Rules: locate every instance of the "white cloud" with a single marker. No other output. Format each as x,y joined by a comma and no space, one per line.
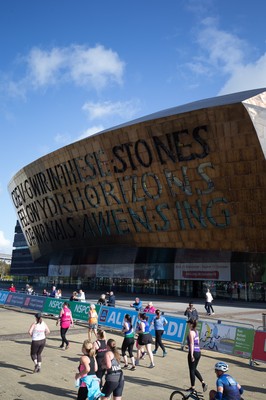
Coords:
91,131
124,110
218,50
88,67
5,244
225,54
95,66
245,77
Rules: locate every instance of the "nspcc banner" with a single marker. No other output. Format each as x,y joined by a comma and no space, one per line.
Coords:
80,310
53,306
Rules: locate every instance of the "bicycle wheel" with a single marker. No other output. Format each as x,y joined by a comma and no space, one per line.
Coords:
177,395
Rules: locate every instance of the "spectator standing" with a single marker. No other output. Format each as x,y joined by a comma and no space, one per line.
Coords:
191,312
208,302
159,322
137,304
12,288
111,299
227,387
38,332
45,293
58,294
92,322
149,308
81,296
102,300
53,292
73,297
194,355
66,321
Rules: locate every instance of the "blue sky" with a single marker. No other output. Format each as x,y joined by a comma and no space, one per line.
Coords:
70,68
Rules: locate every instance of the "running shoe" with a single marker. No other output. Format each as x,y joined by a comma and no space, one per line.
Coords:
137,362
164,353
143,355
152,365
204,387
125,366
191,390
67,347
154,352
133,368
35,368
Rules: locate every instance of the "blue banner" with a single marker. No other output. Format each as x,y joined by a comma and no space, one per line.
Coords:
3,297
34,302
113,317
15,299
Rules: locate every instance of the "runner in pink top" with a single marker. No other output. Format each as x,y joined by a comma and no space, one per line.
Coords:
66,321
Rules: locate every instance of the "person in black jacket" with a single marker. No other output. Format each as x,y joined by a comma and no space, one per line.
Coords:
191,312
111,300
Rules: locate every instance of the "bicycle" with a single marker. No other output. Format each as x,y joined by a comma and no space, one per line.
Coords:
179,395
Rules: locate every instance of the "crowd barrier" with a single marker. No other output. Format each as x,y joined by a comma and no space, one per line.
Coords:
240,341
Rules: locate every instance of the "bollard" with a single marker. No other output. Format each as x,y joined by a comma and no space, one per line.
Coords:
264,321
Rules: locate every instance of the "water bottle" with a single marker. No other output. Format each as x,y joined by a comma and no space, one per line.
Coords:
77,382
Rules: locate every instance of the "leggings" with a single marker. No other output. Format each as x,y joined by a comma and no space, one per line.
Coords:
63,332
158,339
36,349
128,344
192,365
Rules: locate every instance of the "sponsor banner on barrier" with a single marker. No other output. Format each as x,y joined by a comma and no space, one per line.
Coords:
113,317
80,310
259,348
34,302
52,305
3,297
243,342
15,299
226,339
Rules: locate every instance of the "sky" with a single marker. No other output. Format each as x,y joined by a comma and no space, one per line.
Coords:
71,68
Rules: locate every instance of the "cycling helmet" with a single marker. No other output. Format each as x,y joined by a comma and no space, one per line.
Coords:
221,366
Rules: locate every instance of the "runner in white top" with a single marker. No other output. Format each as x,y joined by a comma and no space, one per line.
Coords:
38,332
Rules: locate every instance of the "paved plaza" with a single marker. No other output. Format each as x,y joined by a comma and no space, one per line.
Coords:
56,380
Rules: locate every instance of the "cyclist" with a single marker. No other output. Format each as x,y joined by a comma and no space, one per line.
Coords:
227,387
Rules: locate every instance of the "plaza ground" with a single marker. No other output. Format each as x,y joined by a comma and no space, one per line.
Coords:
56,380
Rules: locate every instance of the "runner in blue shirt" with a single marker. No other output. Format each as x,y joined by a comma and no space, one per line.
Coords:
227,387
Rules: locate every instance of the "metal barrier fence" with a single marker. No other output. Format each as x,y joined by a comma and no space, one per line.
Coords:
240,340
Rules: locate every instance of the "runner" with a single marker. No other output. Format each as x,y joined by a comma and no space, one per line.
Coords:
38,332
114,381
194,355
100,346
86,377
93,322
159,322
144,338
128,342
66,321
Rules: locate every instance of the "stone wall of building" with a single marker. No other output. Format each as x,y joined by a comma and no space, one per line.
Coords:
193,177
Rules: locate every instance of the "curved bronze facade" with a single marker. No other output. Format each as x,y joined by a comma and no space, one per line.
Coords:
191,177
